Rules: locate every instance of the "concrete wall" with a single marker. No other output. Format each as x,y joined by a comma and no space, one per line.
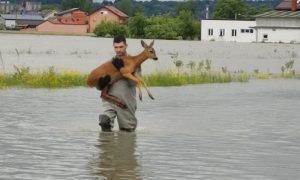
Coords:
10,23
278,35
228,30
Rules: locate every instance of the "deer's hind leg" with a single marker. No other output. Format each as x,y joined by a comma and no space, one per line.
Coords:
103,82
112,99
103,86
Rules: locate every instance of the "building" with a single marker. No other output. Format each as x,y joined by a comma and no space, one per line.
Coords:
10,8
286,5
278,26
228,30
69,21
106,13
21,21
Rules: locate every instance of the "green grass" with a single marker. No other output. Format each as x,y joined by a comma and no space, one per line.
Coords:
45,79
50,78
178,79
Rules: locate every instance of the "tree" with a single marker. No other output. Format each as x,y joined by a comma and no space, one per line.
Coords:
162,27
190,5
188,26
125,6
230,9
137,25
107,28
85,5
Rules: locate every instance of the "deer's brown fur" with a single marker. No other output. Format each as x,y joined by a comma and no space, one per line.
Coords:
108,73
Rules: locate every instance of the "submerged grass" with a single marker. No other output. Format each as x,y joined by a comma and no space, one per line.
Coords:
50,78
45,79
177,79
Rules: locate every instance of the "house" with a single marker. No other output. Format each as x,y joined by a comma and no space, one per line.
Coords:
69,21
281,25
278,26
49,14
106,13
21,21
228,30
286,5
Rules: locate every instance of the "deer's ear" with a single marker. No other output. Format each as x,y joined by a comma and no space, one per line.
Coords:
143,44
151,44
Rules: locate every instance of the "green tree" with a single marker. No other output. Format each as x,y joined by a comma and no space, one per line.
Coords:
125,6
46,7
188,26
230,9
108,28
190,5
162,27
137,25
85,5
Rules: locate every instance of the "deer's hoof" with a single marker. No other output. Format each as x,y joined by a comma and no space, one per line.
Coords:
151,97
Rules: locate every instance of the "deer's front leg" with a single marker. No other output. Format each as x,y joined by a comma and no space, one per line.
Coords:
144,84
137,81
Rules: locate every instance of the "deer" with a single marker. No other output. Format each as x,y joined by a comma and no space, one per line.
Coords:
111,71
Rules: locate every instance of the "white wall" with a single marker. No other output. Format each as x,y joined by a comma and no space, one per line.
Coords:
248,34
278,35
10,23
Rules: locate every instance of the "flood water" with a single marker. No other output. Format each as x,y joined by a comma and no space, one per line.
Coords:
83,53
217,131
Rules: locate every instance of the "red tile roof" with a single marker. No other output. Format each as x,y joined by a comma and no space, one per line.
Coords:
113,10
286,5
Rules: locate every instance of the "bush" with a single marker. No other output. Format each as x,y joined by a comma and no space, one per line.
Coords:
111,28
162,27
2,26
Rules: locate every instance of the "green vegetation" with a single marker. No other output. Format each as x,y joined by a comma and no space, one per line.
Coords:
107,29
85,5
190,73
49,78
237,9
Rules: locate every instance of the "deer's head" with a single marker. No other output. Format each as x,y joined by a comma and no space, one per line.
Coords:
150,51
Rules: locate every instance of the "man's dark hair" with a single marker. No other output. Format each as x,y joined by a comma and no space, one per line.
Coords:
119,38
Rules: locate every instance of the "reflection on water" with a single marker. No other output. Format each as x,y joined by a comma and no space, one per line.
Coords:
116,158
235,131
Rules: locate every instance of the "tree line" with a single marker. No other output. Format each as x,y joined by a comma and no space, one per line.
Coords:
167,19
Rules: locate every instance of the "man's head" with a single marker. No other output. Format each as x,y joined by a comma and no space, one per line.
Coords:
120,46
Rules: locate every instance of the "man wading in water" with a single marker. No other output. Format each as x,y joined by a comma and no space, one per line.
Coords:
125,90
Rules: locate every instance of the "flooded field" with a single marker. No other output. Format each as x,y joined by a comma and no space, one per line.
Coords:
217,131
85,53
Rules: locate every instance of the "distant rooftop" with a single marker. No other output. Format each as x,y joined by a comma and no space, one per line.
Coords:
113,10
280,14
286,5
67,11
22,17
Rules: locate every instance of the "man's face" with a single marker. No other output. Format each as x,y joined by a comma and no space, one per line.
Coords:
120,49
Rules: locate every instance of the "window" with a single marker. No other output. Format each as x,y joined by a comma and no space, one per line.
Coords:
233,32
246,30
222,32
210,32
265,36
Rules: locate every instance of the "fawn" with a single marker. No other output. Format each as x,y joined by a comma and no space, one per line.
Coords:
111,71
